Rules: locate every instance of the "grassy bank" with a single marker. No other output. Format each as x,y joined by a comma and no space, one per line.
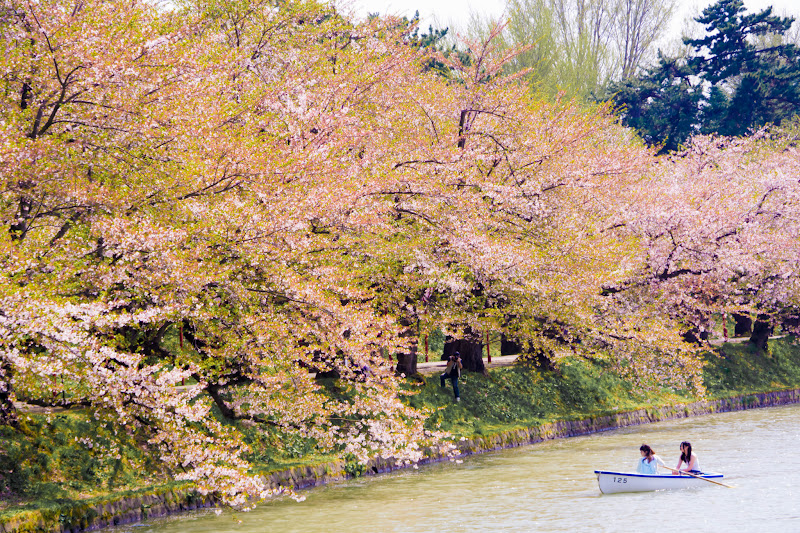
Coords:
741,369
48,465
519,396
524,396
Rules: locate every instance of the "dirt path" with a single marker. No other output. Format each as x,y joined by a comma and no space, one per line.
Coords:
433,367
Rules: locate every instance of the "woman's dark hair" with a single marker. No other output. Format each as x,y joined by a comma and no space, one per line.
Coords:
648,451
687,455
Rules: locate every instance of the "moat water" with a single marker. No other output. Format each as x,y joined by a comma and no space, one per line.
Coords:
552,487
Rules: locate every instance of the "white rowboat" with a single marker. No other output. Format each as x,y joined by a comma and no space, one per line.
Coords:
611,482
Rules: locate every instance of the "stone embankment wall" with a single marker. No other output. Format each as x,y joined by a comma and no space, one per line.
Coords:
163,501
124,509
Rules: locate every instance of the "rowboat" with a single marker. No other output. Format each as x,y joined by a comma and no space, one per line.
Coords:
611,482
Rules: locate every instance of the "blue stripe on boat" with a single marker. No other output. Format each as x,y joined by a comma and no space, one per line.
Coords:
705,476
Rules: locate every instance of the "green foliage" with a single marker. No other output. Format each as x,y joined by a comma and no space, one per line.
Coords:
662,104
741,368
353,467
271,447
763,78
436,341
532,22
435,346
731,50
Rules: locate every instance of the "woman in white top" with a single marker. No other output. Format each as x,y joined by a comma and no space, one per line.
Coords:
649,462
690,460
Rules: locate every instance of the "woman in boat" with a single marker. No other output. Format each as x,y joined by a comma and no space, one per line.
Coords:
648,464
688,459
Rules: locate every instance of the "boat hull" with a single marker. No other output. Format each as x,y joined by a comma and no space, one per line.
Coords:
611,482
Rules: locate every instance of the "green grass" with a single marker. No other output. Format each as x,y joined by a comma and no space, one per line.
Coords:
524,396
70,512
70,455
740,369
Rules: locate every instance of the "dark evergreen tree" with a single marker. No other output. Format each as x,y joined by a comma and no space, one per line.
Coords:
762,329
760,78
509,346
662,104
743,325
738,77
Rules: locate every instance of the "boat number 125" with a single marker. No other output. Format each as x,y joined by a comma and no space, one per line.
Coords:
620,480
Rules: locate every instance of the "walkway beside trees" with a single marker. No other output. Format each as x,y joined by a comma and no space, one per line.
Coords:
432,367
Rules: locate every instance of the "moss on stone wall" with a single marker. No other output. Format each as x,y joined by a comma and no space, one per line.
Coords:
133,506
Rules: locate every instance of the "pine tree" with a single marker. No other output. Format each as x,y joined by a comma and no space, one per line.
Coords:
737,78
761,79
662,104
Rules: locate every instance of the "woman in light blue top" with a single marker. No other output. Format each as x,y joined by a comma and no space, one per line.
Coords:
649,462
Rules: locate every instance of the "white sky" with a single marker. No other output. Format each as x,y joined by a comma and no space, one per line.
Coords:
455,13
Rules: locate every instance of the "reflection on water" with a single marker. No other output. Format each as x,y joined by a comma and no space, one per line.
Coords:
551,487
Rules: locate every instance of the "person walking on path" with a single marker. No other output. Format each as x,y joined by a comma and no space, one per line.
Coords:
453,371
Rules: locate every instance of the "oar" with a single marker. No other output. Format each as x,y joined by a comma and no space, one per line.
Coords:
681,472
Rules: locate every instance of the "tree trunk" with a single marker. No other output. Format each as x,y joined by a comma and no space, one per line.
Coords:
744,325
471,350
509,346
695,336
407,362
8,413
762,329
19,228
538,357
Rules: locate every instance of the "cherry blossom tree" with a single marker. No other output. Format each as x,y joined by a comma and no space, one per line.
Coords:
720,223
294,194
180,177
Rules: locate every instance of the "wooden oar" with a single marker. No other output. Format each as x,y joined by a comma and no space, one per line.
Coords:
681,472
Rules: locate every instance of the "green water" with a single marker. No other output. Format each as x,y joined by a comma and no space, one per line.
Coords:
551,487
